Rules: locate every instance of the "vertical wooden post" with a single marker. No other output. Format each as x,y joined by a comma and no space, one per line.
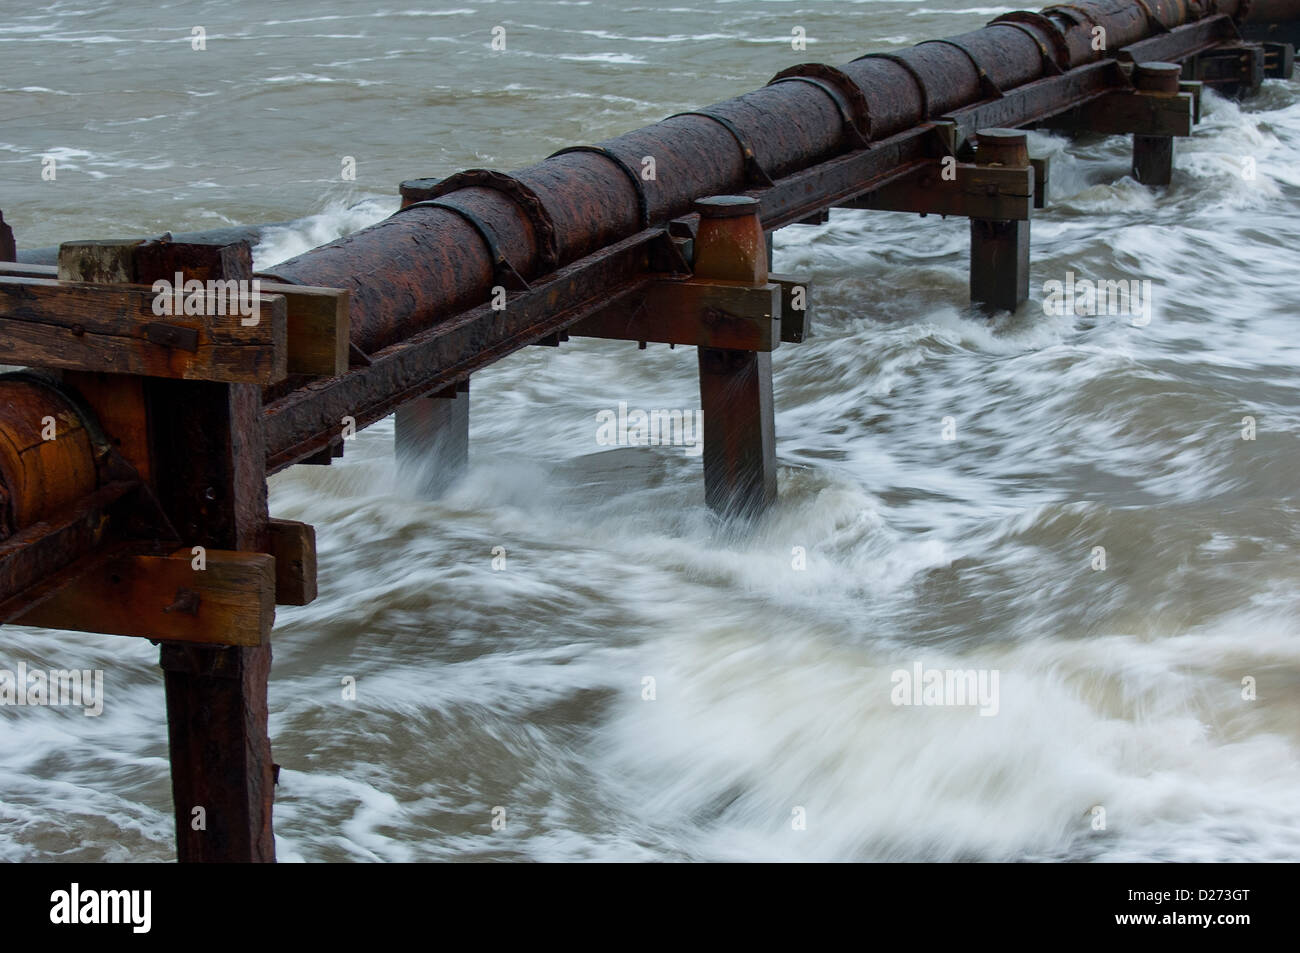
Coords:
1153,156
999,250
209,471
8,248
735,386
431,440
201,446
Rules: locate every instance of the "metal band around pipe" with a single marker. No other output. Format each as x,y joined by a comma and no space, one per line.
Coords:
754,173
985,80
911,71
503,271
846,113
642,203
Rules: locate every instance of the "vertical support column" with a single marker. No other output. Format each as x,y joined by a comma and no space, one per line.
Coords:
431,440
1153,156
8,249
209,469
999,250
201,445
735,386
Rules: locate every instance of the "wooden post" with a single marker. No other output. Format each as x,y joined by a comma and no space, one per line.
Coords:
201,445
735,386
209,459
1153,156
8,249
207,462
999,248
431,440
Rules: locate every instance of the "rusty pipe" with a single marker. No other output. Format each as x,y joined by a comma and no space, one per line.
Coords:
437,258
47,452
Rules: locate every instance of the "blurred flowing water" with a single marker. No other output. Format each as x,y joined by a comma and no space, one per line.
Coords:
1120,688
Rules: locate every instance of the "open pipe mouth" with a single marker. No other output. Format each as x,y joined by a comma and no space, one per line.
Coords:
49,449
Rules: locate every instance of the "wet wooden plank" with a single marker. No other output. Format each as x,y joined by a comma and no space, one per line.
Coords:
293,544
114,328
231,601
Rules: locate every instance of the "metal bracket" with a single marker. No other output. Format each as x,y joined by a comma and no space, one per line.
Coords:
990,88
642,203
855,134
503,272
754,173
910,70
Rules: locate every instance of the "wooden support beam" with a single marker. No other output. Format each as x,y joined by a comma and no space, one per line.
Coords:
293,545
736,384
1129,112
957,188
319,329
431,440
796,307
222,775
1279,60
105,327
693,311
1194,89
1042,166
999,248
1153,155
8,248
820,217
1153,159
739,430
231,601
34,555
208,452
1233,70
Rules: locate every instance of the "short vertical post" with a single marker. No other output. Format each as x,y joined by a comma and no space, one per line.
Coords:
431,440
735,386
999,250
1153,156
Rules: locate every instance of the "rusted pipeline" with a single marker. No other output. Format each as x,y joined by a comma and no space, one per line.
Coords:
433,260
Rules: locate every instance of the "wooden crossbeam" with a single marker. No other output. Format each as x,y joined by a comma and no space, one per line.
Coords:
1237,66
319,328
33,555
114,327
796,307
948,187
693,311
1130,111
229,601
293,545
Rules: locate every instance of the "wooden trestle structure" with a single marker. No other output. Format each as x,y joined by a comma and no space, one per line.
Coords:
135,445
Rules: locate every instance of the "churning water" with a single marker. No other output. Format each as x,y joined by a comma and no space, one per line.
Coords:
772,733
